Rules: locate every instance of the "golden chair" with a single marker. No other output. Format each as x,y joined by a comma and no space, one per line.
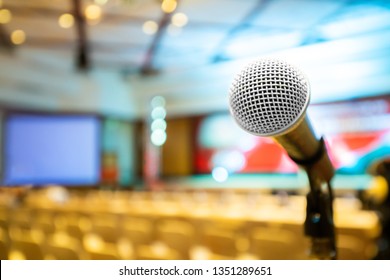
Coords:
178,235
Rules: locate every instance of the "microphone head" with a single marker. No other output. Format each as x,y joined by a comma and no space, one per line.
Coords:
269,97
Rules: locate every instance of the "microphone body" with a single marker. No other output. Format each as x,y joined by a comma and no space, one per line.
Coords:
270,98
306,150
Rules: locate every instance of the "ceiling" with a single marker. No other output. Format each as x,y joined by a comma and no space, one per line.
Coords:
218,34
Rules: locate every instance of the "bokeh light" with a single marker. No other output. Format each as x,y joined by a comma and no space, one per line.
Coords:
93,12
150,27
158,137
159,124
157,101
232,160
66,20
18,37
158,113
220,174
168,6
179,19
5,16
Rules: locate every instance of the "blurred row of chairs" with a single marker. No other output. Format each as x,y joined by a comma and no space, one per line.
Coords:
54,235
61,229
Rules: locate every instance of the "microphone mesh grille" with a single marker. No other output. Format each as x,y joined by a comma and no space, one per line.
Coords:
268,96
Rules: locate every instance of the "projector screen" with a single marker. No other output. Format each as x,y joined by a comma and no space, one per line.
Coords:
51,149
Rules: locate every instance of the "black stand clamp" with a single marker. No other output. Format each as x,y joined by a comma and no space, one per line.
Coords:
319,225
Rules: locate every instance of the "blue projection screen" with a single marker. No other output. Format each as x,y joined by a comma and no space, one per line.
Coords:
51,149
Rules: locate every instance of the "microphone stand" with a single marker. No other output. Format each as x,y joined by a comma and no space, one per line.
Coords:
319,225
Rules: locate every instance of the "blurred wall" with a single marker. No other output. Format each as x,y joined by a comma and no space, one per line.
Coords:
119,140
178,150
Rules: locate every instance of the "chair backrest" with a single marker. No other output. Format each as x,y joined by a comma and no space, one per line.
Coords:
77,225
21,217
140,231
276,244
109,233
97,249
3,244
176,234
219,241
157,251
45,221
3,219
61,246
28,247
353,248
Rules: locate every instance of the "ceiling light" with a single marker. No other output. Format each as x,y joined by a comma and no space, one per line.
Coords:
5,16
168,6
158,137
66,20
158,113
18,37
150,27
159,124
93,12
220,174
157,101
179,19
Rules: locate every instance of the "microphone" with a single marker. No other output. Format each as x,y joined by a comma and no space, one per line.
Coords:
269,97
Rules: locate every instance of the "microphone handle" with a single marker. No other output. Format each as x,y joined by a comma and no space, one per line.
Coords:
310,153
306,150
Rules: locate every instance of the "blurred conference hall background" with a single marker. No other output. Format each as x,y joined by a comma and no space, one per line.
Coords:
117,142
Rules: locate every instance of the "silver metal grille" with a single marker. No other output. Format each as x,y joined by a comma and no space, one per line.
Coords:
268,97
